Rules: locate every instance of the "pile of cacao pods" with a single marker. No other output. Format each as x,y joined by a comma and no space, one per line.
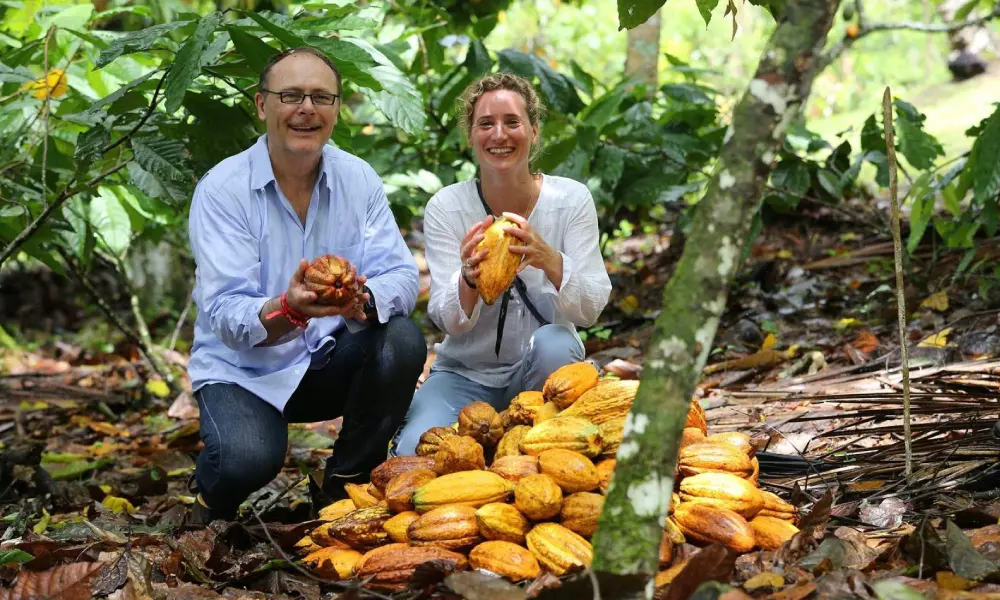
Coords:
520,491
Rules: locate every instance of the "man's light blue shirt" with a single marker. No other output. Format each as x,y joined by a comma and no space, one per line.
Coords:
247,241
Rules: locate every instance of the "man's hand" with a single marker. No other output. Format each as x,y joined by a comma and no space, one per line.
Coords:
302,300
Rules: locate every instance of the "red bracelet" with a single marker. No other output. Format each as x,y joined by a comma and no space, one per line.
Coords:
294,317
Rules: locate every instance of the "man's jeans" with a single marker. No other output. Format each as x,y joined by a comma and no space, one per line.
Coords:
369,380
444,394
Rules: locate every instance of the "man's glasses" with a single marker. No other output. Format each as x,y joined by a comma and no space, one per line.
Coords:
321,99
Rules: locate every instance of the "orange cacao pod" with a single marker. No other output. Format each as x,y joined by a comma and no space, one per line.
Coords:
572,471
735,438
709,524
382,474
608,400
332,279
361,529
498,269
605,469
398,525
511,441
771,533
580,511
337,509
705,457
505,559
501,521
359,494
724,490
571,433
458,453
399,491
544,413
480,421
472,488
558,549
515,468
696,417
538,497
567,383
691,435
452,527
392,566
523,407
430,439
333,563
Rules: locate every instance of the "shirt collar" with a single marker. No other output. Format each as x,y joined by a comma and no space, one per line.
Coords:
262,174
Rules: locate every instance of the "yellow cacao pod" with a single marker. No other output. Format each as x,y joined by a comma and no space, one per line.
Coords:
359,494
306,545
361,529
774,503
501,521
382,474
706,457
608,400
771,533
735,438
515,468
580,511
398,525
511,441
458,453
545,412
666,550
452,527
498,269
558,549
333,563
674,532
723,490
605,469
567,383
471,488
337,509
400,489
538,497
481,422
523,407
754,477
665,577
709,524
696,417
691,435
572,471
570,433
431,439
392,566
611,434
505,559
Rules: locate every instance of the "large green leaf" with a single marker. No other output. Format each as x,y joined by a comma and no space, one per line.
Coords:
256,52
556,88
341,51
117,94
110,221
90,143
600,112
919,147
76,238
400,100
632,13
165,160
609,165
705,7
137,41
18,74
553,155
983,164
280,33
187,63
872,137
921,211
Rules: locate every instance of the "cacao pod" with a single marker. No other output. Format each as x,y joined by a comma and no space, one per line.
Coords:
358,493
451,527
666,550
723,490
336,510
505,419
696,417
610,399
735,438
392,566
710,524
612,432
567,383
458,453
382,474
706,457
511,441
333,563
332,279
605,469
374,492
501,521
523,407
691,435
399,491
754,477
771,533
514,468
307,545
538,497
674,532
580,511
666,577
774,503
398,525
362,529
472,488
544,413
498,269
572,471
558,549
505,559
480,421
570,433
430,439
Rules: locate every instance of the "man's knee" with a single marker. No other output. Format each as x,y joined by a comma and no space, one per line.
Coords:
240,468
404,349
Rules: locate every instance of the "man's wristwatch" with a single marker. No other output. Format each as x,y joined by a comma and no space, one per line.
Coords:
371,313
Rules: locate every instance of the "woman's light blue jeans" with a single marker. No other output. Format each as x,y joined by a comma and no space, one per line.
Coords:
444,394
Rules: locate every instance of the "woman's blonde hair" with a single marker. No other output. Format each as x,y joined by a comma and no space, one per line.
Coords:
501,81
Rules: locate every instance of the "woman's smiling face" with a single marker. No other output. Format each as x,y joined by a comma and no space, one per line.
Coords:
502,134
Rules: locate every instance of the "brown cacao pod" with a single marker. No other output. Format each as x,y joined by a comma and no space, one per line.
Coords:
498,269
605,469
674,532
558,549
666,550
358,493
665,577
452,527
332,279
472,488
511,441
735,438
538,497
399,491
691,435
333,563
501,521
723,490
392,566
608,400
771,533
480,421
506,559
544,413
382,474
362,529
523,407
514,468
567,383
570,433
398,525
336,510
505,419
572,471
706,457
696,417
374,492
430,439
710,524
458,453
580,511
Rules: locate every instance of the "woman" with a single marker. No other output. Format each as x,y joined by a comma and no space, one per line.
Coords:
490,353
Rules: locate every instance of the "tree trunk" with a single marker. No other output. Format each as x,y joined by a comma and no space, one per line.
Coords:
631,524
642,60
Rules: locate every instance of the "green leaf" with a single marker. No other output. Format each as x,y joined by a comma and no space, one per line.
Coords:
791,176
965,560
281,34
342,50
831,549
632,13
78,237
137,41
110,221
957,234
256,52
872,137
983,166
919,147
478,60
187,63
705,7
602,110
963,11
553,155
830,182
400,101
165,161
687,93
118,94
16,74
557,90
90,143
609,165
920,213
889,589
15,556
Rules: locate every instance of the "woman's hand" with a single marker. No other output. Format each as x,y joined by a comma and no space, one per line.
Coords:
468,253
536,251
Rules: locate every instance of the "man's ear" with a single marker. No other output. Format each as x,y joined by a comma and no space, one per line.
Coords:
258,99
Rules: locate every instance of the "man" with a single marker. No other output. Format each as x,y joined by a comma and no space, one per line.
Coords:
265,352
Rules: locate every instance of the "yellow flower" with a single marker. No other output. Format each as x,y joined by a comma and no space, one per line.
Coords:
53,85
